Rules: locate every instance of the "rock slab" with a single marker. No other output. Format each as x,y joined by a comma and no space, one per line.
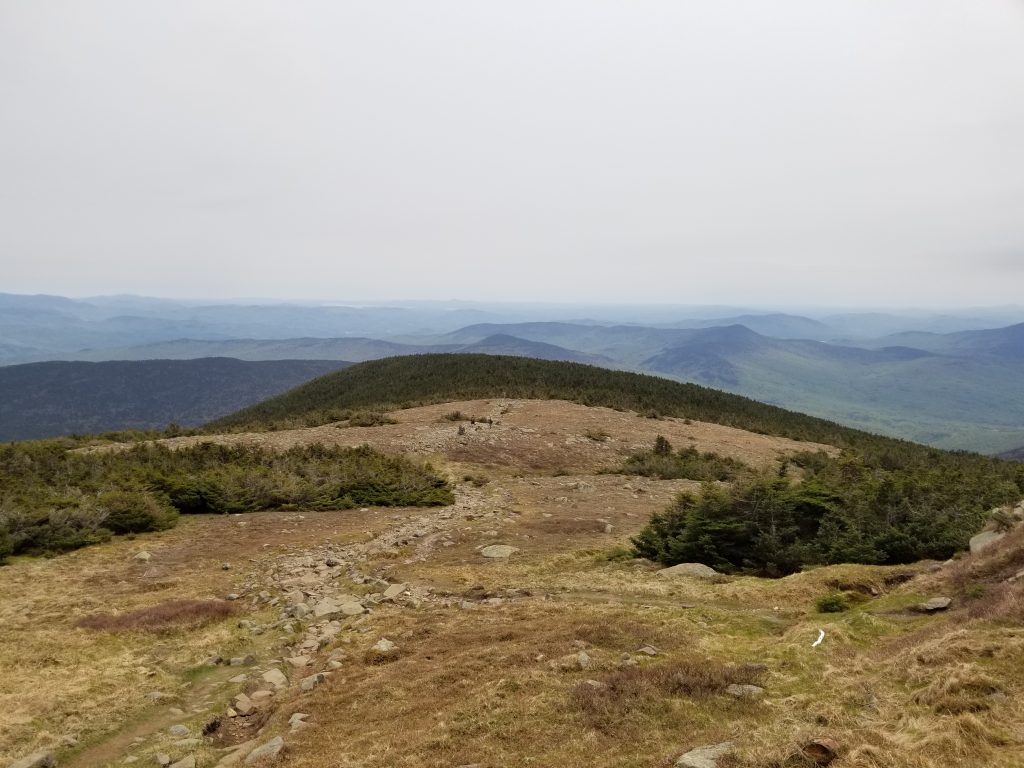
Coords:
499,551
704,757
36,760
265,751
691,570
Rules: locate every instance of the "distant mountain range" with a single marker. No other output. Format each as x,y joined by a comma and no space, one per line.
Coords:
49,399
913,379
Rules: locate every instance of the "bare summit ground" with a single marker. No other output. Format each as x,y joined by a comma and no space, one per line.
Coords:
566,653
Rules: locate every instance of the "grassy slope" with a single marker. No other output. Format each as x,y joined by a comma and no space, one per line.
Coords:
423,379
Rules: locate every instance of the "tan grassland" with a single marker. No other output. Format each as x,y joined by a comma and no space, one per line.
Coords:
487,670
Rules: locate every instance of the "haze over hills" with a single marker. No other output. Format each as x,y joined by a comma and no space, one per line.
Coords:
952,390
49,399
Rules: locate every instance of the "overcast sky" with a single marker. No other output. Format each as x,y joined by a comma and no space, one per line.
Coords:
759,153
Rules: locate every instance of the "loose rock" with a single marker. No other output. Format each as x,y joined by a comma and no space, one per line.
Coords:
691,570
36,760
704,757
271,749
821,751
745,691
499,551
935,604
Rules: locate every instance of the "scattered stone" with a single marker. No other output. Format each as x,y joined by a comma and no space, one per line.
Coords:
181,731
261,695
935,604
188,743
271,749
238,679
276,678
185,762
571,662
394,591
299,661
692,570
36,760
297,717
242,704
299,611
311,682
232,596
984,540
499,551
142,557
163,759
745,691
648,650
704,757
130,759
821,751
225,566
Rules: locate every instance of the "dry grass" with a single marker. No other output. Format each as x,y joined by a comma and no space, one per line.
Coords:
476,685
614,702
172,614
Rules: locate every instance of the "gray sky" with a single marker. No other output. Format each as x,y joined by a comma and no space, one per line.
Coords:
794,151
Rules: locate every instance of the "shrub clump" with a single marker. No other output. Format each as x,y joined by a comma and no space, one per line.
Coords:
664,463
54,500
834,602
853,509
162,617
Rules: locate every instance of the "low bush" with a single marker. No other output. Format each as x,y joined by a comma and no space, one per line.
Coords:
173,614
834,602
664,463
54,500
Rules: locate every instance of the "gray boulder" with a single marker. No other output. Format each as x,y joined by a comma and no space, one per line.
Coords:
984,540
499,551
36,760
935,604
691,570
704,757
265,751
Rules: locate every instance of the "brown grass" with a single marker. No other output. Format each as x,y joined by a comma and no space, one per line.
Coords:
171,614
619,696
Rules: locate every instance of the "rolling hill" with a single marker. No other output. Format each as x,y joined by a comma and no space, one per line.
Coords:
48,399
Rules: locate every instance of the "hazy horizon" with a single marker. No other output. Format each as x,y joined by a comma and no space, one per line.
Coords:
787,155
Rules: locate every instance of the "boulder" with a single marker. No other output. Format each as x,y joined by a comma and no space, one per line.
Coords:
265,751
984,540
242,704
821,751
275,677
394,591
691,570
311,682
36,760
745,691
933,605
499,551
704,757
